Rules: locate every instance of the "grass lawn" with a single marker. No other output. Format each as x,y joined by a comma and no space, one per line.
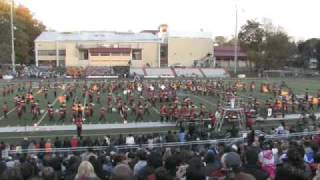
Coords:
298,86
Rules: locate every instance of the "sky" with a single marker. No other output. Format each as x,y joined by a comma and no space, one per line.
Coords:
299,18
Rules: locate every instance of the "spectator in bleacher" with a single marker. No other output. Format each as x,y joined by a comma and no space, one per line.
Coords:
212,163
122,172
13,173
48,174
66,143
86,172
130,140
57,143
171,164
195,170
295,168
231,163
74,142
251,164
142,162
48,146
267,159
154,161
182,135
72,167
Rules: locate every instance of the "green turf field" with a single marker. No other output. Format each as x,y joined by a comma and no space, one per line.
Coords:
298,86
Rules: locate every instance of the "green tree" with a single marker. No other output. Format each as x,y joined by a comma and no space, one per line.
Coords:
275,50
220,40
251,39
266,46
26,29
309,49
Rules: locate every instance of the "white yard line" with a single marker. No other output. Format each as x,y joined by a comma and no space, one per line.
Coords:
13,109
54,102
45,114
153,108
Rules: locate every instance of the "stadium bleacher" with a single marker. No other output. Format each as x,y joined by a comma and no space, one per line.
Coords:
188,72
215,72
136,71
159,72
99,71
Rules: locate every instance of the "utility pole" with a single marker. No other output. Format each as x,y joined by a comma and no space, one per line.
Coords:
236,43
13,55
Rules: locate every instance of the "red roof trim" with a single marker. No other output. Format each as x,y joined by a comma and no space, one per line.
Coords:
110,50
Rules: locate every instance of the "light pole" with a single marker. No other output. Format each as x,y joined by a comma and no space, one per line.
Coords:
236,43
13,56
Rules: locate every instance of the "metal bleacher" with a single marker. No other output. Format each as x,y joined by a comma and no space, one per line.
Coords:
188,72
137,71
159,72
215,72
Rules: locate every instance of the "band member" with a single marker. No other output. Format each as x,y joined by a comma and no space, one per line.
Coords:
90,95
78,121
50,112
23,104
252,86
87,112
62,112
176,113
164,113
55,93
80,109
124,112
109,99
98,97
34,111
4,92
45,93
103,112
19,112
192,113
140,111
5,110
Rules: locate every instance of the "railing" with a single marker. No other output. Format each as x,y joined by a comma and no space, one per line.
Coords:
162,145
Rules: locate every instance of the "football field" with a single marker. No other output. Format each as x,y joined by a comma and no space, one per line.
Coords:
298,86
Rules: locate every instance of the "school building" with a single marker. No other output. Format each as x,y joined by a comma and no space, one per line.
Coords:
149,48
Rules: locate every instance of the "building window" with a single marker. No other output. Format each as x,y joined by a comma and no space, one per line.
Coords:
51,52
84,54
115,54
136,54
163,52
62,52
104,54
46,52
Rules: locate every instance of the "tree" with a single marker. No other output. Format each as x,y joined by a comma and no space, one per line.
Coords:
26,29
309,49
220,40
275,50
266,46
250,39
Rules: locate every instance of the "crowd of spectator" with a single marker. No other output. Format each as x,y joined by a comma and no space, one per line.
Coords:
256,158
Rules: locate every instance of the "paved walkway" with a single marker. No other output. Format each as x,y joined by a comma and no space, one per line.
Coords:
72,127
85,127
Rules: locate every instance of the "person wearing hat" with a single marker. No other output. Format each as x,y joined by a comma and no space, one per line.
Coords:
212,162
231,163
